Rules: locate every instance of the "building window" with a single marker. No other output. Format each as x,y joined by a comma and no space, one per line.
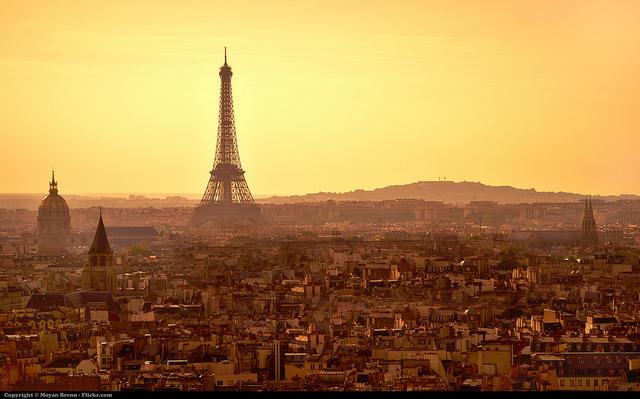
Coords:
562,383
580,382
587,382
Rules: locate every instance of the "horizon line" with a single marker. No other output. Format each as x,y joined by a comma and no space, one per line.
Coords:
194,195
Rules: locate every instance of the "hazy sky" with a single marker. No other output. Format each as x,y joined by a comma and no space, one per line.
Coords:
122,96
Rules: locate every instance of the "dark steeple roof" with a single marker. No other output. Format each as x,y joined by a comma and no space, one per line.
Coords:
100,241
589,228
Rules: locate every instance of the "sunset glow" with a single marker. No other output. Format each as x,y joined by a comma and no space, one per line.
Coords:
122,97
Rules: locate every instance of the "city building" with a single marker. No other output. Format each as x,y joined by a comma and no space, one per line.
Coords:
99,273
54,222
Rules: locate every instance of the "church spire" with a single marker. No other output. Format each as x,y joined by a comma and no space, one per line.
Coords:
100,241
589,229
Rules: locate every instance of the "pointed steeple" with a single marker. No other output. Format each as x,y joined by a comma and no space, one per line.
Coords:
53,184
589,229
225,55
100,241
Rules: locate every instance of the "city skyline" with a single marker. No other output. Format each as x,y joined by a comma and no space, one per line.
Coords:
335,102
319,196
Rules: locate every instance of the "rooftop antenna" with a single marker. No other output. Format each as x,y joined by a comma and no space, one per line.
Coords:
225,55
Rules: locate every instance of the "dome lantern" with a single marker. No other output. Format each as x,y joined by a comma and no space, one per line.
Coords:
53,184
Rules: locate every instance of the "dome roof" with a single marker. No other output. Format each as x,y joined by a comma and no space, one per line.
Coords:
53,200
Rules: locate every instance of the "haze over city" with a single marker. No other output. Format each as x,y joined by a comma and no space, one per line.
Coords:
329,96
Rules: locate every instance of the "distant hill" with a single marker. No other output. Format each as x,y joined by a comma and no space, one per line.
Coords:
445,191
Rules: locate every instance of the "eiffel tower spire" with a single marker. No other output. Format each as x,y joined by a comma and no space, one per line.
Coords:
589,229
227,195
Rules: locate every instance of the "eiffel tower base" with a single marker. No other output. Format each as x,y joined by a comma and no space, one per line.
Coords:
224,215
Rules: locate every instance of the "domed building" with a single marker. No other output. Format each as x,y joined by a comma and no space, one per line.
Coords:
54,222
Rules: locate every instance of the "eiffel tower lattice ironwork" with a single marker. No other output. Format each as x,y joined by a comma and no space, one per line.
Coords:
227,195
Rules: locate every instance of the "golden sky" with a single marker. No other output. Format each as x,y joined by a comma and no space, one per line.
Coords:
122,96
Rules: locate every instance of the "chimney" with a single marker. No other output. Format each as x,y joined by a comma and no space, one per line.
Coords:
119,363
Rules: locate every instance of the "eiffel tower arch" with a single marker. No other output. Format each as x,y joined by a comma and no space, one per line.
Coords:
227,198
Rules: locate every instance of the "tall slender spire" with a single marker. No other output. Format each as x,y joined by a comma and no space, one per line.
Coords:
225,55
589,229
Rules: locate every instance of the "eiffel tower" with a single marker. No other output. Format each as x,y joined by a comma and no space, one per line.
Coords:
227,198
